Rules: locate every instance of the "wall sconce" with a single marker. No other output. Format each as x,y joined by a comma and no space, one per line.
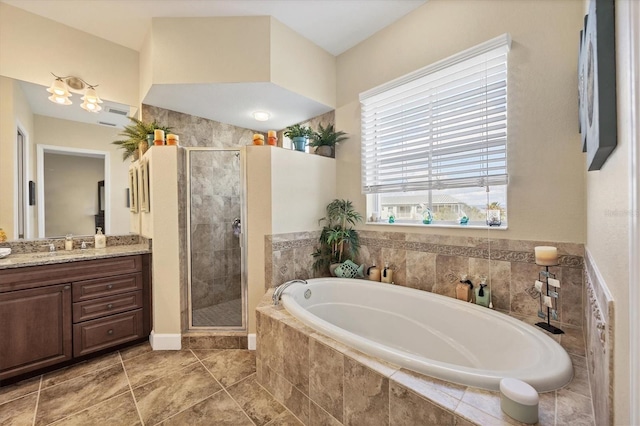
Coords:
60,93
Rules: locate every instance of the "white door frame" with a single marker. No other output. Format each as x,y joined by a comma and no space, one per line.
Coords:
42,149
634,209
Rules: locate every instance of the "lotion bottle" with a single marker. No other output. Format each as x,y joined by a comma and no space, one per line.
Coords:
483,294
374,272
100,239
387,274
463,289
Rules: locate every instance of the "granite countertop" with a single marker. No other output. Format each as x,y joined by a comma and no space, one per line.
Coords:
61,256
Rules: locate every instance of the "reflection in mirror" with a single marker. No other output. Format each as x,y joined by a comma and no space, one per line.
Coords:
61,128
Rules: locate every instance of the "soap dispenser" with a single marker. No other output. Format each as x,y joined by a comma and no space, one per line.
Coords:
387,274
100,239
374,272
463,289
483,293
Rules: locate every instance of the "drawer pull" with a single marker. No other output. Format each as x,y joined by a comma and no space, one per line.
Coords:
67,287
110,306
110,332
109,286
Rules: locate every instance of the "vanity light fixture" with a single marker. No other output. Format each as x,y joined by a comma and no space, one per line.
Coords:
60,93
261,115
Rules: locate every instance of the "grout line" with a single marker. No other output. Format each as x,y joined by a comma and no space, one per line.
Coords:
135,403
227,392
35,412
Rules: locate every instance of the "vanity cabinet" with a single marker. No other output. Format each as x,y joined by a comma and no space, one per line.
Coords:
51,314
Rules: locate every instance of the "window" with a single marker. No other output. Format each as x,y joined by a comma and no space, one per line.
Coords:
437,139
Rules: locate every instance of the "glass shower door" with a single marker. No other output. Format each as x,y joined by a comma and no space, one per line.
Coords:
215,253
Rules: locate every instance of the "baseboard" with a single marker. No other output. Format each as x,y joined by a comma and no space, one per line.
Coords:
251,341
165,342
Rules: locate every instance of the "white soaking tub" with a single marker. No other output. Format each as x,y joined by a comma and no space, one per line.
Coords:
431,334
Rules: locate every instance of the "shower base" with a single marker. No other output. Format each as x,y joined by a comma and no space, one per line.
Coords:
223,314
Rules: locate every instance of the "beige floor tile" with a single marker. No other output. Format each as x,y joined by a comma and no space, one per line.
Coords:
134,351
286,418
120,410
80,369
151,366
219,406
75,395
25,387
255,401
19,411
169,395
230,366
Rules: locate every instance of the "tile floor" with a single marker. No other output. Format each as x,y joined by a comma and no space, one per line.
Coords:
137,386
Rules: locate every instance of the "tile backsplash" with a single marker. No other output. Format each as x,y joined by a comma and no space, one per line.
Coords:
436,263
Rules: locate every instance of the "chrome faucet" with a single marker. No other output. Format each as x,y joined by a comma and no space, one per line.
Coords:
277,293
52,248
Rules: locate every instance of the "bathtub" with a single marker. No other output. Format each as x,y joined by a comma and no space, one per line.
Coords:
431,334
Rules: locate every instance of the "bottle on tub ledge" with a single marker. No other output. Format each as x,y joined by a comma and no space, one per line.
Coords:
483,293
374,273
464,289
387,274
100,240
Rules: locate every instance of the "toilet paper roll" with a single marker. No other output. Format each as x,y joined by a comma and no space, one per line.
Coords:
538,285
546,300
553,282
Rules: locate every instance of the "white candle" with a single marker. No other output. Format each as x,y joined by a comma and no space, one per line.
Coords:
546,256
158,135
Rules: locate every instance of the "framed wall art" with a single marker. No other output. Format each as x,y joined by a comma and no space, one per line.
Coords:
597,83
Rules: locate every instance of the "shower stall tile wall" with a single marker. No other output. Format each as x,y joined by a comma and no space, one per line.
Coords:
215,201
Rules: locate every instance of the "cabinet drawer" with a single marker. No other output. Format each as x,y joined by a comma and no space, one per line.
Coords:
91,289
94,335
96,308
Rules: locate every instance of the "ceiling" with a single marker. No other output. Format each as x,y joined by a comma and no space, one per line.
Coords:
335,25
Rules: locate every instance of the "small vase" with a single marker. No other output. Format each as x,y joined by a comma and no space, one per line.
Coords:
299,142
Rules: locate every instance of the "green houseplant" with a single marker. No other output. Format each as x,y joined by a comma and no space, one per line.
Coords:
338,240
326,139
135,134
298,135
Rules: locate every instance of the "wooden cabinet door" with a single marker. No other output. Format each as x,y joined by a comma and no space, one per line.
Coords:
35,329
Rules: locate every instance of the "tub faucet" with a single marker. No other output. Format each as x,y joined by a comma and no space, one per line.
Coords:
277,293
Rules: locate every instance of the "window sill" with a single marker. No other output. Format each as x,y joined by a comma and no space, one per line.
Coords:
440,225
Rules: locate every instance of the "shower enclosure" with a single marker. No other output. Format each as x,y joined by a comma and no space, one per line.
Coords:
215,255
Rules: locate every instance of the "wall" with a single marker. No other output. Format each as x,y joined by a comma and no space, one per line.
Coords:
608,227
546,168
72,134
71,211
14,111
33,47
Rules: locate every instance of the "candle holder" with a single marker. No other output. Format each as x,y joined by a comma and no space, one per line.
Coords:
543,277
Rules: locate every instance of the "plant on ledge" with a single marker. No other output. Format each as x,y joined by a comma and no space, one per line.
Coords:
298,135
135,134
326,139
338,240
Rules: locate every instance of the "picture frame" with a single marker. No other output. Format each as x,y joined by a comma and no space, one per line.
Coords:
144,186
133,190
597,84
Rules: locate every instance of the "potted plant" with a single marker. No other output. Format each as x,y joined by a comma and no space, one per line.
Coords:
135,135
493,214
325,140
298,135
338,240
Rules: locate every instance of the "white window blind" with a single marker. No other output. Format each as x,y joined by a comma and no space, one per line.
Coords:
443,126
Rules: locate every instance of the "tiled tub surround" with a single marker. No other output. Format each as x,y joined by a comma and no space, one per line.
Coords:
436,263
599,315
324,382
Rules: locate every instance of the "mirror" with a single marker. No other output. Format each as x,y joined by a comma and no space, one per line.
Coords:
70,140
